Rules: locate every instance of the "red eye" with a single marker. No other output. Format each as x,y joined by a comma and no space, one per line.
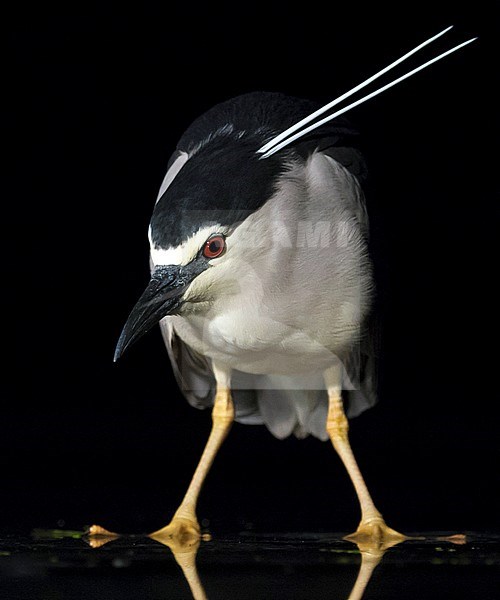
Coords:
214,246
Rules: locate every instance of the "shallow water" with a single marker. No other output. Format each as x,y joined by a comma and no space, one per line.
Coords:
67,565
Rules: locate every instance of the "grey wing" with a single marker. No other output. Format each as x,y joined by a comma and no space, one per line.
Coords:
192,371
349,157
360,392
361,367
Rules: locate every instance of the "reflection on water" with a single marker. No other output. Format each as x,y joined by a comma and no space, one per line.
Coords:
58,563
186,559
371,553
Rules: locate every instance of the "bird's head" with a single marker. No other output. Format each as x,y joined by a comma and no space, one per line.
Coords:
197,252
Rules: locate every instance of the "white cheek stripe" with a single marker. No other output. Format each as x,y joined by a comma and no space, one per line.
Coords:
167,256
172,173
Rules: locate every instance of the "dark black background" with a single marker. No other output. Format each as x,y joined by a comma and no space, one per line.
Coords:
97,99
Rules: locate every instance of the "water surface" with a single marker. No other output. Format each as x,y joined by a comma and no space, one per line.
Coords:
69,565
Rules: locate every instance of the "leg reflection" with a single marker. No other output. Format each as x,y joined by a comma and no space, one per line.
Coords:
371,555
185,556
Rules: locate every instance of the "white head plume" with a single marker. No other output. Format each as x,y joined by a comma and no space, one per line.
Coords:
288,136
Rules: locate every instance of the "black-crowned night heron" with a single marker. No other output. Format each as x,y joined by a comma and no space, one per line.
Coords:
261,279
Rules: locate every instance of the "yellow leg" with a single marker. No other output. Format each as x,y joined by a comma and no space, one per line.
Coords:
184,527
372,526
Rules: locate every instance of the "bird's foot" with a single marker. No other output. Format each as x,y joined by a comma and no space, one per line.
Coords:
97,536
373,534
181,534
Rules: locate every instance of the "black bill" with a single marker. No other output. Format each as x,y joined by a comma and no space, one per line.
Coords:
162,297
